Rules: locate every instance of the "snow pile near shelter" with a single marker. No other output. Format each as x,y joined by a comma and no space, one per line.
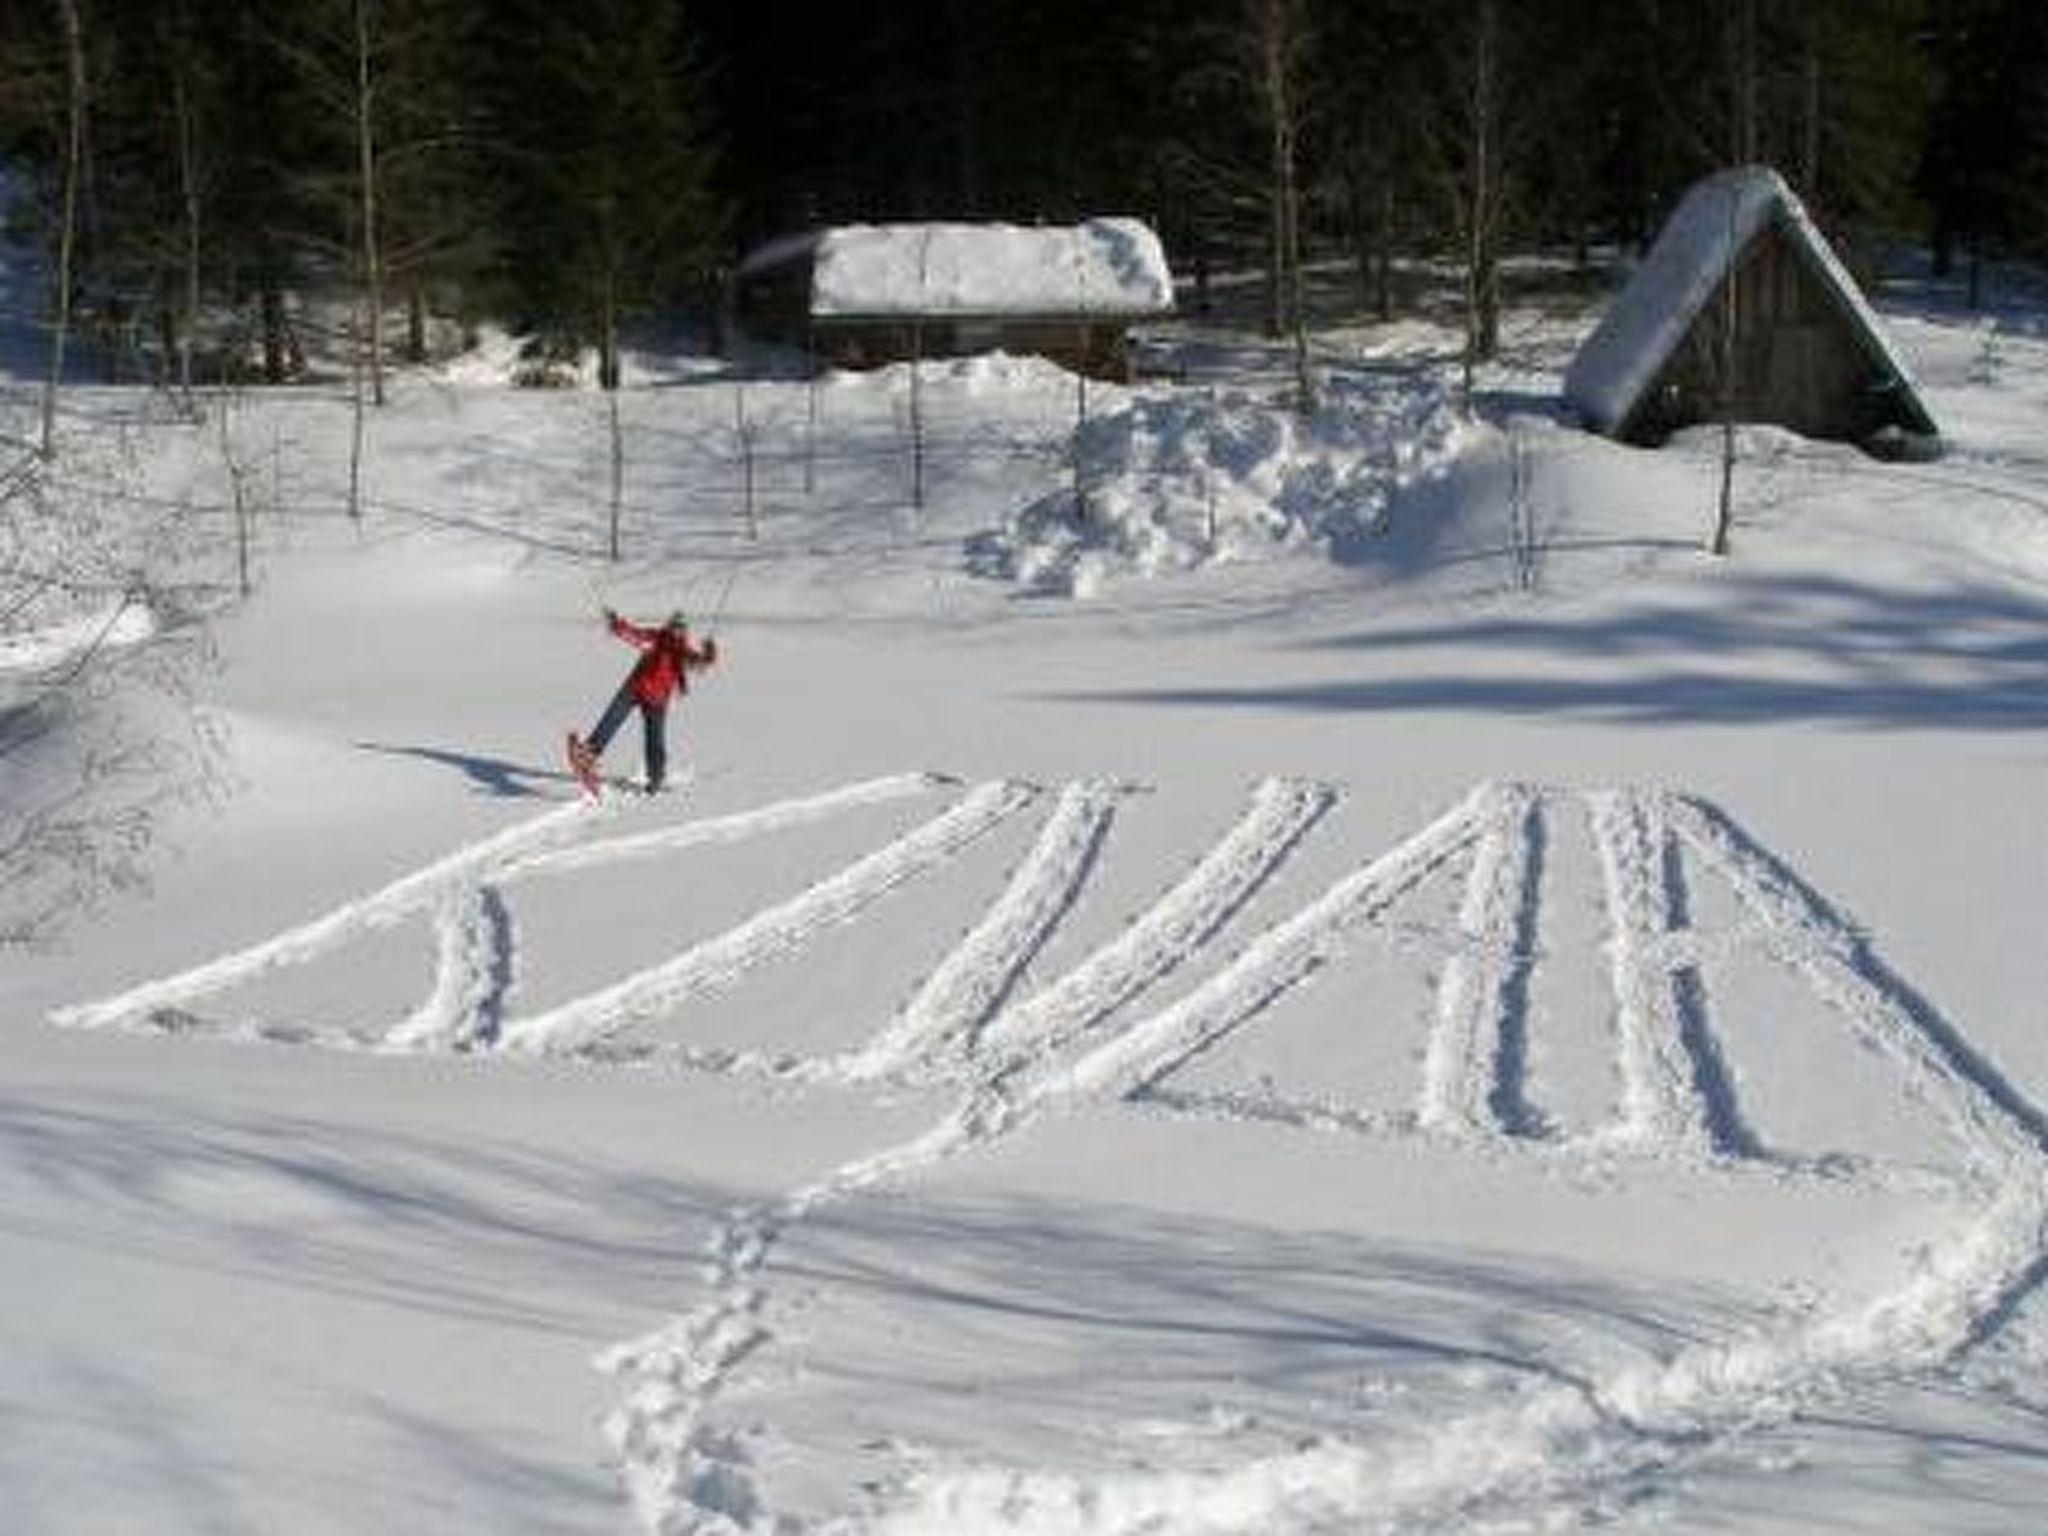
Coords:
1102,266
1182,480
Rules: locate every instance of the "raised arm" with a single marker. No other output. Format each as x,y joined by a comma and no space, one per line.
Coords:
628,631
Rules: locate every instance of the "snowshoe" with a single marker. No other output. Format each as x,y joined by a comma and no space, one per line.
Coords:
583,763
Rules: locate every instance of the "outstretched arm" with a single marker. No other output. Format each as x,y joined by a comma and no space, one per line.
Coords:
628,631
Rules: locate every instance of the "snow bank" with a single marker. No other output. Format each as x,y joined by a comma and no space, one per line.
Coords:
1103,266
996,373
58,645
1177,481
494,361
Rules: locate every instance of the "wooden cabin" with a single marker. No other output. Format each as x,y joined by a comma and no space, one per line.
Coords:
863,296
1799,346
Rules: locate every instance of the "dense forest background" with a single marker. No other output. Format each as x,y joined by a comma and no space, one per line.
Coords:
565,165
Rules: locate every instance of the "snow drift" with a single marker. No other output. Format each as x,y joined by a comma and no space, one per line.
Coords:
1171,482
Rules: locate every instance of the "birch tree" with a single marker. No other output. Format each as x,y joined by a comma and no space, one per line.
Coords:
1280,48
67,218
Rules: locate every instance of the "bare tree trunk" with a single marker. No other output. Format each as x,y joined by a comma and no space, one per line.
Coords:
366,158
1724,504
1728,362
1744,146
964,55
415,322
618,499
237,473
608,303
1482,259
1268,25
1278,38
1744,149
165,314
1275,318
67,233
188,191
357,421
276,345
1809,159
1383,278
917,415
1359,190
811,411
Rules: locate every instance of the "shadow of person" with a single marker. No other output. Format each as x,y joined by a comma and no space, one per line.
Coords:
491,775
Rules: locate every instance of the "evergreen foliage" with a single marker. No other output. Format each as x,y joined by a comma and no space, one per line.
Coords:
567,167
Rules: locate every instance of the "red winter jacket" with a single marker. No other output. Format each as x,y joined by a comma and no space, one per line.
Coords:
666,660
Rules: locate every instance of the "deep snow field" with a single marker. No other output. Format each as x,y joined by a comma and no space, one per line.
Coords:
1360,984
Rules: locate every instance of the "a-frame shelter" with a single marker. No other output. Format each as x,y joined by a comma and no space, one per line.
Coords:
1798,346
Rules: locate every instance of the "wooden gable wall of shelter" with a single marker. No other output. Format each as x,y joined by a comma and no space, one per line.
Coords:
1097,346
1801,359
774,303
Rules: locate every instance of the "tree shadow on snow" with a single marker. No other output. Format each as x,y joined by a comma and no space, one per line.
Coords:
454,1227
1116,1335
423,1239
1769,651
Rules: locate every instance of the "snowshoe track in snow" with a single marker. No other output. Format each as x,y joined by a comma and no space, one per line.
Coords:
1019,1056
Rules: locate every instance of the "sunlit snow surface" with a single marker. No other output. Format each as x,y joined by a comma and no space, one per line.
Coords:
1419,1002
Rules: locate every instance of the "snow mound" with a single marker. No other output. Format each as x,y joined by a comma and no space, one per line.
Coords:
493,362
1174,482
981,373
58,645
1101,266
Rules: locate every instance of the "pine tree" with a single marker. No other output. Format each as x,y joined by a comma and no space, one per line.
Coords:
601,173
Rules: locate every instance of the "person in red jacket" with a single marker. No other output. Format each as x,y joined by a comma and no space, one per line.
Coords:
667,658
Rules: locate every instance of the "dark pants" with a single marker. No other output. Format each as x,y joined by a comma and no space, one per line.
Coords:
654,727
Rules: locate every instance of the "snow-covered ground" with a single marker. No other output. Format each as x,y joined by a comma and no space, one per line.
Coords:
1265,974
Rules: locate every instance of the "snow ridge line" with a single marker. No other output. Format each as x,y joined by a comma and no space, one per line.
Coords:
679,1471
738,827
1556,1443
970,984
1253,1106
1260,1107
383,908
475,950
1166,935
548,841
774,931
1994,1123
1658,1104
1563,1441
1465,1066
1138,1057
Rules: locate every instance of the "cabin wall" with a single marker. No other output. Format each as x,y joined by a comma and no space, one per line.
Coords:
1096,349
1799,361
774,305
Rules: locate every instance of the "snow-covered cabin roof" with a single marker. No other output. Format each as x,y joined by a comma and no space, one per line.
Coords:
1111,267
1713,225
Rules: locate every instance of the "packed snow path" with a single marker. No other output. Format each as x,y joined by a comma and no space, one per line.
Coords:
1018,1056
